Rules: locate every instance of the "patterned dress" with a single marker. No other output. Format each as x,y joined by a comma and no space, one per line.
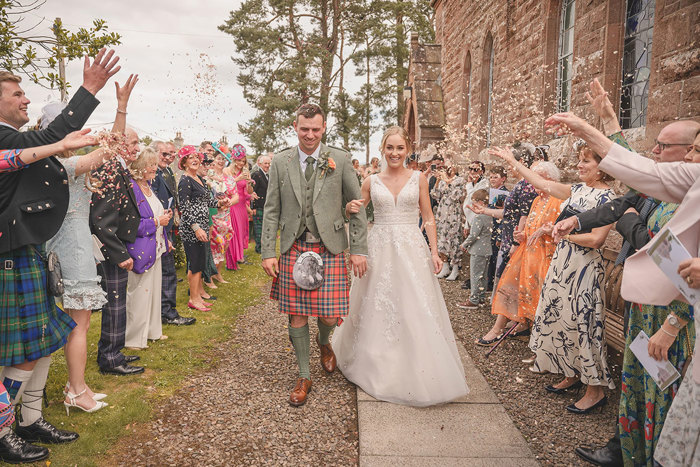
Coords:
568,334
221,233
517,205
643,407
449,217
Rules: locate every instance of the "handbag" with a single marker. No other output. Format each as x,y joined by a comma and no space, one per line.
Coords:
569,210
53,272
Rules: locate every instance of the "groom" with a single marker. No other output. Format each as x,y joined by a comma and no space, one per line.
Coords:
309,186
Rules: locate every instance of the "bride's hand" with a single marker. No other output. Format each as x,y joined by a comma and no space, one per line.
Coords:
437,263
353,207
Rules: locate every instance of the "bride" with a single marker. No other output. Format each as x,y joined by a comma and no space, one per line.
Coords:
397,342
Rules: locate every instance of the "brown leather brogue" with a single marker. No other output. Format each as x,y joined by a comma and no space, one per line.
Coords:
301,390
328,361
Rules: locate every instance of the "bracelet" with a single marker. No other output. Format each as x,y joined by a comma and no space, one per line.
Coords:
120,111
668,333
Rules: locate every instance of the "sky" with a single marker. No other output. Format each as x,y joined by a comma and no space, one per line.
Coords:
187,81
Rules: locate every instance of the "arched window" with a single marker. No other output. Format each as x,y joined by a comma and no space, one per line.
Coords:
487,87
565,54
467,91
636,63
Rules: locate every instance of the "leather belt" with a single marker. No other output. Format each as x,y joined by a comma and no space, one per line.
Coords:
308,237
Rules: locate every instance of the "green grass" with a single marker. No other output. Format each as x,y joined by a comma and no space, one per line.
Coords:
168,363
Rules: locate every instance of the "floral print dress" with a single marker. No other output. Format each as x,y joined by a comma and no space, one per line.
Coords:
517,205
449,217
221,232
643,406
568,334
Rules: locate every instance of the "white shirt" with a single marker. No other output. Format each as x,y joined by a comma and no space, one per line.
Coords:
303,156
469,215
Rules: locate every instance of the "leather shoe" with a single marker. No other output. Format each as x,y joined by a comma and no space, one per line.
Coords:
179,321
44,432
604,456
301,390
124,369
15,450
328,361
131,358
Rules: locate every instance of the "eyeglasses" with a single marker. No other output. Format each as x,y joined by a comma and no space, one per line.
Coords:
474,169
165,153
663,146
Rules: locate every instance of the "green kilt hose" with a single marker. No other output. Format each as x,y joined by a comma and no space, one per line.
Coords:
31,325
257,229
328,301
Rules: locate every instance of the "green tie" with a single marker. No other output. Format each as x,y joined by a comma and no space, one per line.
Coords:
309,168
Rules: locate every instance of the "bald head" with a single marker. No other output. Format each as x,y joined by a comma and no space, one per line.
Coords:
674,140
132,145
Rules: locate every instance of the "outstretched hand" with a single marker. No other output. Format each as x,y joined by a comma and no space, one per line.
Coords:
79,139
96,75
123,93
564,228
503,153
598,98
565,123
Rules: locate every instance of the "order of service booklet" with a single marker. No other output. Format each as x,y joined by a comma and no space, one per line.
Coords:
668,252
663,373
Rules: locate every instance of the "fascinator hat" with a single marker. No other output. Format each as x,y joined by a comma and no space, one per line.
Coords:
223,150
238,152
184,153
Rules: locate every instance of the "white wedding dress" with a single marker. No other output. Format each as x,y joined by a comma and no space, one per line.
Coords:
397,342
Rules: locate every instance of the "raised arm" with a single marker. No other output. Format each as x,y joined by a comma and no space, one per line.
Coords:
17,159
556,189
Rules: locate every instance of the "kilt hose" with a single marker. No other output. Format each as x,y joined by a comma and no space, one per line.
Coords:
113,329
328,301
168,292
31,325
257,229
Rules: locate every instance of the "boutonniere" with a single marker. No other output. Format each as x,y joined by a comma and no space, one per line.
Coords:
325,163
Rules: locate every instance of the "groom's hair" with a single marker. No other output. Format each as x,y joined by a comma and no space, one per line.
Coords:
310,111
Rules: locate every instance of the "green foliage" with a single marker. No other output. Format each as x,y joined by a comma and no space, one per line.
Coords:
37,56
294,51
146,140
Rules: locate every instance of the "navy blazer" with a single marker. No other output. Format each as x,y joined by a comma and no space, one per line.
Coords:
162,190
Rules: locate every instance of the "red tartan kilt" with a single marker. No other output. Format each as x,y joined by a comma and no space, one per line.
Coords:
328,301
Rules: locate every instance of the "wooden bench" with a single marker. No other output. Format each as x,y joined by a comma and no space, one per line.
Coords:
614,304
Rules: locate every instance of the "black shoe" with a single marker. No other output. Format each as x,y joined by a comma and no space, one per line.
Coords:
131,358
179,321
210,297
44,432
15,450
573,409
604,456
123,369
577,385
180,280
465,286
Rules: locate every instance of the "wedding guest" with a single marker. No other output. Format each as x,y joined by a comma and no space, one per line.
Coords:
568,330
475,181
497,181
210,269
449,191
260,179
165,188
518,291
373,167
143,292
221,231
195,201
114,219
239,211
74,246
478,244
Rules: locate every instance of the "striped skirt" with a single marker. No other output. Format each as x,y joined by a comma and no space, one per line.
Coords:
31,325
328,301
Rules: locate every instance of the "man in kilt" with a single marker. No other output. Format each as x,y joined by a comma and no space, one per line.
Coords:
260,177
33,204
309,186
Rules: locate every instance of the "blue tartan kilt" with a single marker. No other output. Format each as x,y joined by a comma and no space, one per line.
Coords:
31,325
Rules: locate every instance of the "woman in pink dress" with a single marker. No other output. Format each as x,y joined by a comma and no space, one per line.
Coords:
239,211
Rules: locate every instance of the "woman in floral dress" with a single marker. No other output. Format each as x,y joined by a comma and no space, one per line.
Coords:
450,192
221,231
568,334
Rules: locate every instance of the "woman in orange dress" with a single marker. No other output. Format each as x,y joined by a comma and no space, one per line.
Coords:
518,290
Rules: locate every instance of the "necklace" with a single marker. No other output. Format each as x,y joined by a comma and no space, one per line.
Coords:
145,188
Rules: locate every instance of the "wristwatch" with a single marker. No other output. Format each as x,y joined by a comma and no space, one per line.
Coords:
673,321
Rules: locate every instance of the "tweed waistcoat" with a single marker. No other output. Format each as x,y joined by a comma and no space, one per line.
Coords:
308,222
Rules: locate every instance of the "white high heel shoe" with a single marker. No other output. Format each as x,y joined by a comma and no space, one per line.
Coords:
72,403
98,396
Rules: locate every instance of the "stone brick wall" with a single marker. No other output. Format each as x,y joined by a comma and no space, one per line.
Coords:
525,38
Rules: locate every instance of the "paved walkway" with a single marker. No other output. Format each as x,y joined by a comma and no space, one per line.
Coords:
472,431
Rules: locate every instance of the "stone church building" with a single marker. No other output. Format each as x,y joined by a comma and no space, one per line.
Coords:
499,67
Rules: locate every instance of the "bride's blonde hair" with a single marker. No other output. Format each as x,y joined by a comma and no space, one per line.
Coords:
396,130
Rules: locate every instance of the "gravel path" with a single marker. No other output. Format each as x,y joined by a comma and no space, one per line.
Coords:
551,431
237,413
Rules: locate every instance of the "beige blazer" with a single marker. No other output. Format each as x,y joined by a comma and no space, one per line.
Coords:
675,182
332,192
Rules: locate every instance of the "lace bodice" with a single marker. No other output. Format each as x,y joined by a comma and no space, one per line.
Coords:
402,210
